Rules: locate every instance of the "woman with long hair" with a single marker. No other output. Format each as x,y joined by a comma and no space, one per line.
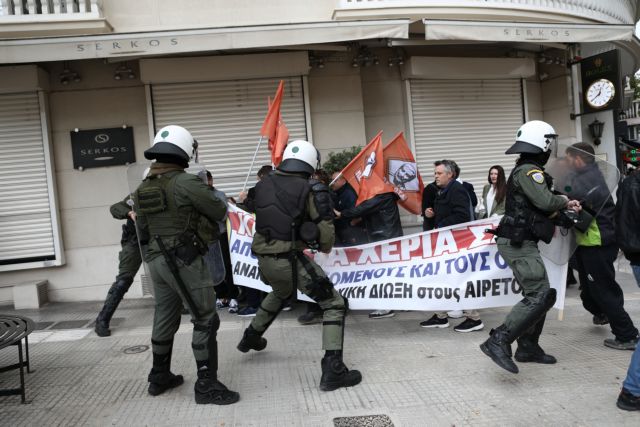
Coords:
494,193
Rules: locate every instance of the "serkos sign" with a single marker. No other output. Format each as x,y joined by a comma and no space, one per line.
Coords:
457,267
102,147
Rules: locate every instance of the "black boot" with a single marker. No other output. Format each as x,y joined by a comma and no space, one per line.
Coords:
114,296
335,374
252,340
528,348
160,378
209,390
498,348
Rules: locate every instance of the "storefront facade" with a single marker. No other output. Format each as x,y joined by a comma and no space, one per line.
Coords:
458,80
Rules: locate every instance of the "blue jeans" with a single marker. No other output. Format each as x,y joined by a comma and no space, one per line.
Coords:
636,273
632,382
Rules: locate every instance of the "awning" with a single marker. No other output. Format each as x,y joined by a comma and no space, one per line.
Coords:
202,40
525,31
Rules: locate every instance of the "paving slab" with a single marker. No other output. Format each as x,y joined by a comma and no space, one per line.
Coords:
412,376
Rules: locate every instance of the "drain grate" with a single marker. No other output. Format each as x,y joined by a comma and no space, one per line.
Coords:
70,324
363,421
42,325
135,349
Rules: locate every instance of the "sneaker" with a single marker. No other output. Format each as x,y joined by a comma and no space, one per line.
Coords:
600,319
455,314
222,303
469,325
310,317
287,306
233,306
621,345
380,314
435,322
628,401
247,312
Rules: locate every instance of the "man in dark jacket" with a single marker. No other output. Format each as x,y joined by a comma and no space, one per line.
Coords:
597,249
381,218
429,195
451,206
348,233
627,220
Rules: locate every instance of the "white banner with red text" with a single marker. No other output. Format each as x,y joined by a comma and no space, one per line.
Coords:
453,268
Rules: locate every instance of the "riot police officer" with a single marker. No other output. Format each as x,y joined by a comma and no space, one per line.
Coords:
530,207
177,218
129,261
293,214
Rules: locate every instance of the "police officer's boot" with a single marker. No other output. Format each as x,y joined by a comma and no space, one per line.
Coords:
498,348
209,390
160,378
114,296
335,374
528,348
252,340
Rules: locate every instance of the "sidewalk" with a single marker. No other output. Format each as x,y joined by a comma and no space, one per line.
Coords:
414,376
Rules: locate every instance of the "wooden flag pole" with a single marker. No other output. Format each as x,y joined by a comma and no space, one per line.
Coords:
253,161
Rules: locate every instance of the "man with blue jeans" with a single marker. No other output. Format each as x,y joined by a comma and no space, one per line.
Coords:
628,237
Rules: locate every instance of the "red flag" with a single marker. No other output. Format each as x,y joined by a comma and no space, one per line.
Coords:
279,142
270,123
365,172
402,172
352,171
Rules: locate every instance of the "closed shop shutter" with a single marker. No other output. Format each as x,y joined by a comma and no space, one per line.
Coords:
225,117
470,121
25,212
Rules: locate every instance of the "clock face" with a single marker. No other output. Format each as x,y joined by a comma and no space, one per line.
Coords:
600,93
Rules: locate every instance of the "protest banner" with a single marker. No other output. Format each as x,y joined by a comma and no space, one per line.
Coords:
452,268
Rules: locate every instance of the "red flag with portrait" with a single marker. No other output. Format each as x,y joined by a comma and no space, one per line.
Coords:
365,173
402,172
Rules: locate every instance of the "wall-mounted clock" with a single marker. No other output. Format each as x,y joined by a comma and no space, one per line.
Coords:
600,93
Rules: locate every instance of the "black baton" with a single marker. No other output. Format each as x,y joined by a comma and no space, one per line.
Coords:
173,267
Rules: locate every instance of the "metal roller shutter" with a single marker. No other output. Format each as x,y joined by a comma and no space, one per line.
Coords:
25,213
472,122
225,117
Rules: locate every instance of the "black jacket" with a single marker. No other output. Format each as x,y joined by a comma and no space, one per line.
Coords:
380,215
472,193
452,206
628,218
589,186
428,197
346,234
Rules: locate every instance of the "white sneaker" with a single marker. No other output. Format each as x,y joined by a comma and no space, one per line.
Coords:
380,314
233,306
454,314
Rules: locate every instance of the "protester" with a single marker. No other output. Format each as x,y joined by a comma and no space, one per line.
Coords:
177,216
494,193
451,206
467,185
250,298
381,217
285,202
598,249
428,198
628,236
219,257
349,232
628,220
129,261
529,205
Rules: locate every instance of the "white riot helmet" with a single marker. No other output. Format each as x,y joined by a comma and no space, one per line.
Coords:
533,137
173,141
300,156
